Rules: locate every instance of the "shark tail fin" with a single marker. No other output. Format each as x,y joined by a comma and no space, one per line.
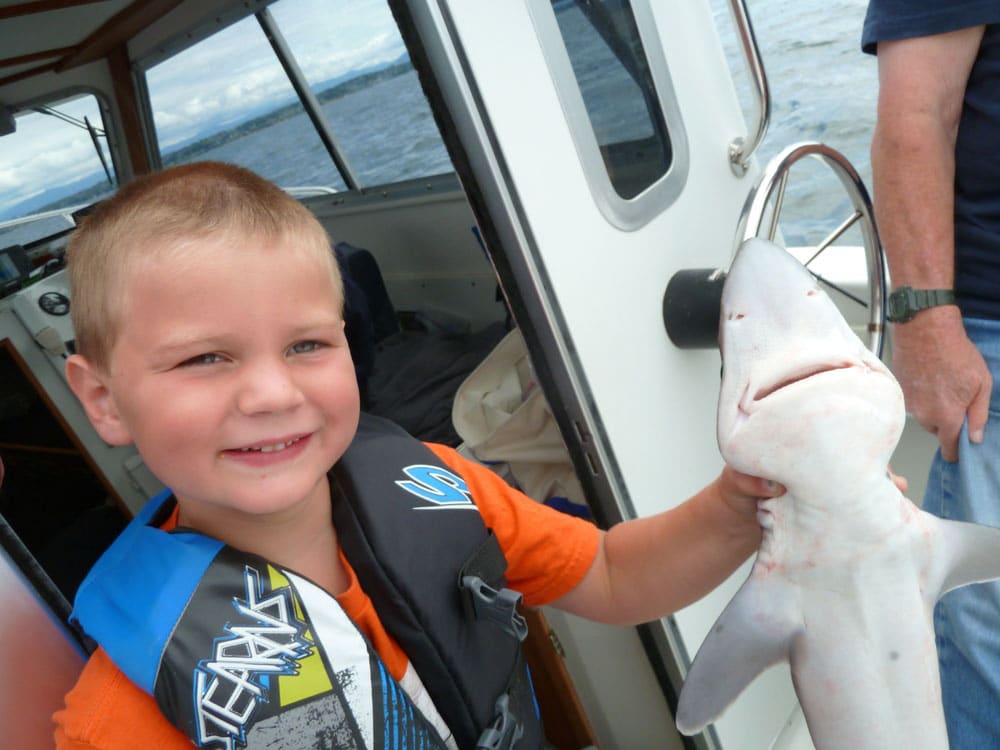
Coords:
965,553
754,632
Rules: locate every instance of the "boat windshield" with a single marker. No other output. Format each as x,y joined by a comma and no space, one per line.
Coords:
314,93
55,162
318,96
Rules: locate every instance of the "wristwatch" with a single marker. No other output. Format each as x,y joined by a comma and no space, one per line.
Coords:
906,302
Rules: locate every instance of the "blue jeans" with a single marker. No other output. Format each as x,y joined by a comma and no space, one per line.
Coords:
967,620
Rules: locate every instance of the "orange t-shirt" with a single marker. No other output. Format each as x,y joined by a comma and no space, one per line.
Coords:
548,553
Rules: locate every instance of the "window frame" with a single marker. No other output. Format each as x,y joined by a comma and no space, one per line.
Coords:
628,214
54,99
326,133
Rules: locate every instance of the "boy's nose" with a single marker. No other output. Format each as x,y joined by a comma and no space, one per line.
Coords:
268,387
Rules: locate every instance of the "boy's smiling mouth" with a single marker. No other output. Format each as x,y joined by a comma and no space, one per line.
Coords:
271,448
264,452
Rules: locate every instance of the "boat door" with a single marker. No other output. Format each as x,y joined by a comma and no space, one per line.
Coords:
593,141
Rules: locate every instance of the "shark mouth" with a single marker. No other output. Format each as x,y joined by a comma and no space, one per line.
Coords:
798,377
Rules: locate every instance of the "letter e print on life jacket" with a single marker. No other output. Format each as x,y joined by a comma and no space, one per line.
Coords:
438,486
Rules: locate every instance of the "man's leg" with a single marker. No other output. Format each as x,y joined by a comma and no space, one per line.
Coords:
967,620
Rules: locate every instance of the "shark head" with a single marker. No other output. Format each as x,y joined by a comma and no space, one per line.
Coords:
796,379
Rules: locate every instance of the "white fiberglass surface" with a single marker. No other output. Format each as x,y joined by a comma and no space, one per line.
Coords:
656,403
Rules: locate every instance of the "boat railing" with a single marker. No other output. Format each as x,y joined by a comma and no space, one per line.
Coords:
741,149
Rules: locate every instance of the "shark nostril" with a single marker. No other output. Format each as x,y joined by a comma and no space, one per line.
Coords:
736,316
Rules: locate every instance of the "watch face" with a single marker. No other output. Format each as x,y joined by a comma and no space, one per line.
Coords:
897,308
54,303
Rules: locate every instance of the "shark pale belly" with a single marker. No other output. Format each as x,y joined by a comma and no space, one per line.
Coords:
848,571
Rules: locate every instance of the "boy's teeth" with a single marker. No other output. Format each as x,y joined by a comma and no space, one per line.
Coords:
269,448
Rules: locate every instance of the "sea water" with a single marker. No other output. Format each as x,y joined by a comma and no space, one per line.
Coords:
823,88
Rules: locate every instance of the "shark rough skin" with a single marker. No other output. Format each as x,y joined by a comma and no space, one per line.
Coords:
848,571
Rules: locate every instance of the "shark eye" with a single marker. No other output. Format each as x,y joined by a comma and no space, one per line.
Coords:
812,292
736,316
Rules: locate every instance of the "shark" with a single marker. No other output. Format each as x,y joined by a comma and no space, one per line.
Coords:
848,571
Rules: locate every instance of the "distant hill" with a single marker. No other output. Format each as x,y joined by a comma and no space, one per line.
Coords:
335,91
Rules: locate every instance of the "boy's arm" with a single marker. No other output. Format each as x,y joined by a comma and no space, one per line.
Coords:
649,567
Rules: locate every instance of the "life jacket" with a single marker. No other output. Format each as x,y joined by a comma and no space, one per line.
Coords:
238,651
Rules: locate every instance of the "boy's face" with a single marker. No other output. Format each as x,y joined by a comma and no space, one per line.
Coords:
232,376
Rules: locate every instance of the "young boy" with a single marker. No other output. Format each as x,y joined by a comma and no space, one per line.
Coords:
208,312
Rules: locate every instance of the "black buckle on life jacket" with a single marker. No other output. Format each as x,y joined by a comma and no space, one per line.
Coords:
498,607
504,732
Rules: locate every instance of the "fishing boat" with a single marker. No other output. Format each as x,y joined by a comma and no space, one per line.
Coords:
582,171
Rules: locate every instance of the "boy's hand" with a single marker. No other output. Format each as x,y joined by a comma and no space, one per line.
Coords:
740,492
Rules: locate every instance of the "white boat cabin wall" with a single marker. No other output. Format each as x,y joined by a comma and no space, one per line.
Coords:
549,165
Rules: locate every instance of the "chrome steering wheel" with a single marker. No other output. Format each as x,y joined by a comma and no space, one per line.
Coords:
762,213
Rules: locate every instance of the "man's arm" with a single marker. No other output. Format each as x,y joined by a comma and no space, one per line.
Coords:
650,567
921,89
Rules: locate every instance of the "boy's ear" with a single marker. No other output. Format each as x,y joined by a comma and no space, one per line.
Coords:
89,385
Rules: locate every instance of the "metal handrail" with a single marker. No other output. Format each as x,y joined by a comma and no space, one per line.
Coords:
741,149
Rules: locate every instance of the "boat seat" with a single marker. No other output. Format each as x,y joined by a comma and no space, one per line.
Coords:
40,656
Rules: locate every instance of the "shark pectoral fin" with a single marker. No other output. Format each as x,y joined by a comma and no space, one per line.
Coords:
753,633
965,553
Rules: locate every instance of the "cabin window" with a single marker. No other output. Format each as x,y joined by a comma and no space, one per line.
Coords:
619,103
618,91
355,60
56,161
229,98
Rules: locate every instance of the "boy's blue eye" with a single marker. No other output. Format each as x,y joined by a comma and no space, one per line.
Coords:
304,347
202,359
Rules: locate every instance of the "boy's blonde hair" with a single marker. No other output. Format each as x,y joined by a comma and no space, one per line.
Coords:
164,210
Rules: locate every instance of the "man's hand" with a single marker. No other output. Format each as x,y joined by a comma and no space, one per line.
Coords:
901,482
944,377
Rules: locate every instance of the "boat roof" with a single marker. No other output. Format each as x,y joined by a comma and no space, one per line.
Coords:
57,35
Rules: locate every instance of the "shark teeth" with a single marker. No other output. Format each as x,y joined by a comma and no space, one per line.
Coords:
270,448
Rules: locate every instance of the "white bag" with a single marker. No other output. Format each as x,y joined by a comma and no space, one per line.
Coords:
505,422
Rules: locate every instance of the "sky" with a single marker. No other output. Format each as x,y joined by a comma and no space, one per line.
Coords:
201,91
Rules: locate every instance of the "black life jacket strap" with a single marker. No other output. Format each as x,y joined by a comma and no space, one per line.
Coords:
485,597
507,727
481,572
505,731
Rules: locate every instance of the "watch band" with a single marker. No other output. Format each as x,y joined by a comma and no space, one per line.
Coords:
906,302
